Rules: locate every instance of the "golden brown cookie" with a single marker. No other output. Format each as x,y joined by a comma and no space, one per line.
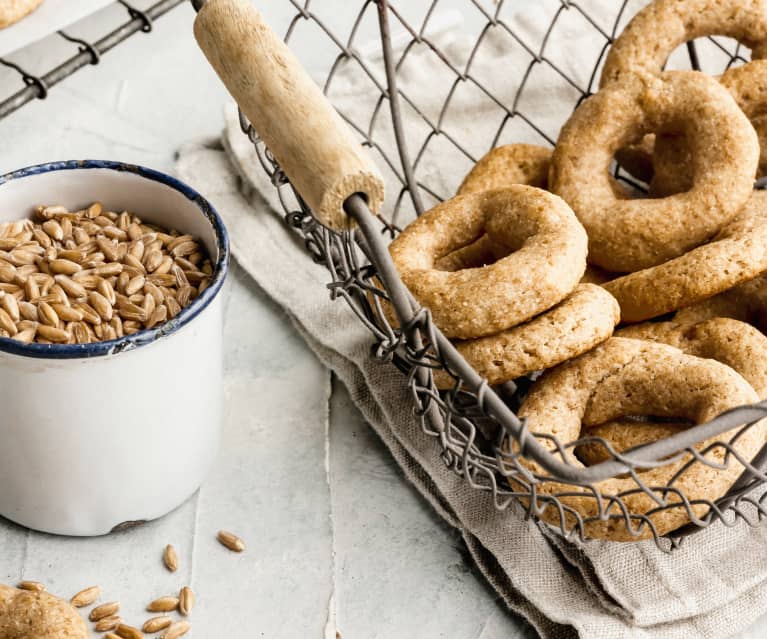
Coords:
737,344
742,347
625,377
507,165
631,234
38,615
735,255
671,155
501,167
575,325
12,11
746,302
622,435
549,259
663,25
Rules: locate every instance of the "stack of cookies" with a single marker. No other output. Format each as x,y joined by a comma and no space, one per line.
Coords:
541,254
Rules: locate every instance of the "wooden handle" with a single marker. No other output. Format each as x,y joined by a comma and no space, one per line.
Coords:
307,137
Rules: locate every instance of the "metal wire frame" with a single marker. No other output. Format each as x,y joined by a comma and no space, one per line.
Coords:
471,421
37,86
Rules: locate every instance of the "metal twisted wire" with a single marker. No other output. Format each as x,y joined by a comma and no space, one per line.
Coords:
37,85
470,433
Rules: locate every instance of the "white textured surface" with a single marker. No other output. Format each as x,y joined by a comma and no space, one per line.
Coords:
336,539
50,16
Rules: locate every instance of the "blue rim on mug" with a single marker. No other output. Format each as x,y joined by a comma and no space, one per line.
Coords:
146,336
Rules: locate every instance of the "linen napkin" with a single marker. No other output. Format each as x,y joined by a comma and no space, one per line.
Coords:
716,583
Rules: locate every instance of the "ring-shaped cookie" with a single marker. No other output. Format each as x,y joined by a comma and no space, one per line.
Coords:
735,255
671,155
506,165
736,344
631,234
548,260
38,615
663,25
582,320
500,167
622,435
746,302
637,377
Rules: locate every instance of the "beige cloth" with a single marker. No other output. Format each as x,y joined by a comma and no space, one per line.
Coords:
713,586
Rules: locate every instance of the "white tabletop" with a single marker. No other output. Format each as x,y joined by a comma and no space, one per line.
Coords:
337,540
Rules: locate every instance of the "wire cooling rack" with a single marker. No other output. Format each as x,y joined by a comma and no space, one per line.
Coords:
78,54
471,421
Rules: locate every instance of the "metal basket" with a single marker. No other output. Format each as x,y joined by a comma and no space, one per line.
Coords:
470,421
36,84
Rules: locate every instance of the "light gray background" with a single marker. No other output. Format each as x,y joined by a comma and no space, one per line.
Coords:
336,539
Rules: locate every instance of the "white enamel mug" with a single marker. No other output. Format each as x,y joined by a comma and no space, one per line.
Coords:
95,436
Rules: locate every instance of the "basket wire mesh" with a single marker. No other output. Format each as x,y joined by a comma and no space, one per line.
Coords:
471,421
80,53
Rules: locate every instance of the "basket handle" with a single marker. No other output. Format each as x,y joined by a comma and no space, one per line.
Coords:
311,143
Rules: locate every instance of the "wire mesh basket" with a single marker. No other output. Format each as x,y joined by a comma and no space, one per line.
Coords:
472,422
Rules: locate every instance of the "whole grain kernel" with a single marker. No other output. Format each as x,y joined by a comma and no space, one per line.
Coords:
60,294
80,333
165,266
89,313
86,597
108,623
185,601
107,291
71,287
104,610
31,289
134,232
65,267
31,586
105,270
101,305
67,313
230,541
170,558
7,324
155,624
46,314
107,247
117,324
47,212
52,334
176,630
11,306
163,604
174,308
53,230
148,304
152,260
125,631
135,285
